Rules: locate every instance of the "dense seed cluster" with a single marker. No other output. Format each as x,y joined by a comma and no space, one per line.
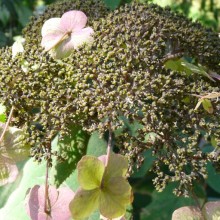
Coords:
121,74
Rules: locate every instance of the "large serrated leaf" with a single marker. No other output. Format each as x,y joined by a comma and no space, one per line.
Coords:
148,161
71,148
131,128
97,145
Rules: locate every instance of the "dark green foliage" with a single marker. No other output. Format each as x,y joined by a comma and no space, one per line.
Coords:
165,202
112,4
14,15
122,74
96,146
71,148
213,178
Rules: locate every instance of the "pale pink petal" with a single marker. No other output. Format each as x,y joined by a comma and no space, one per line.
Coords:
103,158
63,49
51,26
52,33
50,41
13,172
32,205
59,203
36,200
73,21
83,36
61,208
43,216
8,171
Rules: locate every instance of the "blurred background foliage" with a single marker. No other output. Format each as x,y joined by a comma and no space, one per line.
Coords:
14,14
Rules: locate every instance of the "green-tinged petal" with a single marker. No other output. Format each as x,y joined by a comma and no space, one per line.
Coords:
62,49
67,45
8,171
117,166
187,213
212,210
52,33
90,172
84,203
81,37
13,143
17,47
115,197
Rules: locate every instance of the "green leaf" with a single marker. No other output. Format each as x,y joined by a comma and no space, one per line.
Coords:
187,213
207,105
2,113
148,161
96,146
176,65
72,181
213,178
182,65
132,128
24,13
112,4
4,15
166,202
90,172
71,148
84,203
214,142
196,69
3,39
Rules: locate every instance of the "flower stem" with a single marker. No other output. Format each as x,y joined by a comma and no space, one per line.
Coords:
46,196
7,124
109,147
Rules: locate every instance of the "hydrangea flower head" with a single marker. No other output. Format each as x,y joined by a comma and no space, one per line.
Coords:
61,35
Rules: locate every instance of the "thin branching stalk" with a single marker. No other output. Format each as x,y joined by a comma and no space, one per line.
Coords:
46,196
7,124
109,147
